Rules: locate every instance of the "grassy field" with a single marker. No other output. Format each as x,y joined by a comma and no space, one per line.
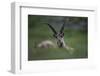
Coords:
76,39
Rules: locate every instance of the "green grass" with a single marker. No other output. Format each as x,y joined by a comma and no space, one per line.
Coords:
76,39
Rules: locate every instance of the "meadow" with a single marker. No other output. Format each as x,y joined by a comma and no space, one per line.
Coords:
75,38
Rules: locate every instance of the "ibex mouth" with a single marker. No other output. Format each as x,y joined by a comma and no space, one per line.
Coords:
60,45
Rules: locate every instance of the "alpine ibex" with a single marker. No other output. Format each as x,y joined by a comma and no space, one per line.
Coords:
60,37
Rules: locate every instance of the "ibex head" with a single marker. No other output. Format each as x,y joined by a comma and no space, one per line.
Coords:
58,35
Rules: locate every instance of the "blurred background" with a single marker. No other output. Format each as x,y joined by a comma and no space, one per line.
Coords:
75,35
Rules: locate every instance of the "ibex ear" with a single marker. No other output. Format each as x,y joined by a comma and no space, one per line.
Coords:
54,35
62,34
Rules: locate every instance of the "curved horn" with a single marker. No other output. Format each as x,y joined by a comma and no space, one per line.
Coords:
62,28
52,28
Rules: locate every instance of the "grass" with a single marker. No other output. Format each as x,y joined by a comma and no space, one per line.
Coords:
76,39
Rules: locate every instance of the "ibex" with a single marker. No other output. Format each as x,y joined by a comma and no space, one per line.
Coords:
59,36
